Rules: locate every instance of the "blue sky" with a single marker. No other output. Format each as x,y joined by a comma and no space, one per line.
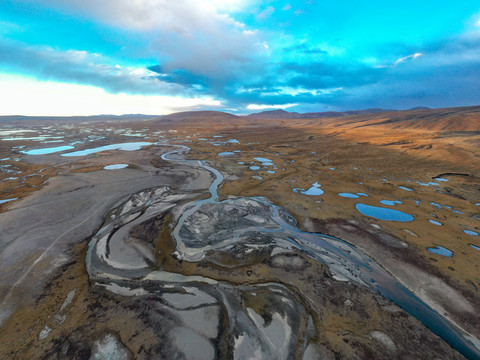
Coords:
66,57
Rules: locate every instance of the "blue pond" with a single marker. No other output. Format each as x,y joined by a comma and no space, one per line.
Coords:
313,191
390,202
382,213
254,167
428,184
475,247
440,250
436,222
264,161
261,159
7,200
49,150
115,166
438,206
470,232
440,179
405,188
348,195
122,146
52,141
226,153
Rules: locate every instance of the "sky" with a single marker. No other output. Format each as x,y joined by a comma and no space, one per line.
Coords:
86,57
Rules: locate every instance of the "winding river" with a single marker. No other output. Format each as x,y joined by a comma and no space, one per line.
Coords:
345,261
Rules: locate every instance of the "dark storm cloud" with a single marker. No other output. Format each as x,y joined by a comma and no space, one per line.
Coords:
324,75
437,74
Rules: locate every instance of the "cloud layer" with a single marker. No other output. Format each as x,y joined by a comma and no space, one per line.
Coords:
248,54
82,68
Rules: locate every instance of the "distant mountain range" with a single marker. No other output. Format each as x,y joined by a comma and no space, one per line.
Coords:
192,115
197,115
126,117
282,114
447,119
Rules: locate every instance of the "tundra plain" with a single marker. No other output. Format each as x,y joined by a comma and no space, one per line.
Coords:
93,260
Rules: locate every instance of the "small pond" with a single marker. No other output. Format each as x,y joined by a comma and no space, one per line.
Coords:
382,213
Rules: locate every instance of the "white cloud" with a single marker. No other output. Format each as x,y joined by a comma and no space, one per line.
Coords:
287,7
81,67
409,57
477,23
27,96
263,107
266,13
250,32
200,36
231,5
181,16
7,27
284,90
